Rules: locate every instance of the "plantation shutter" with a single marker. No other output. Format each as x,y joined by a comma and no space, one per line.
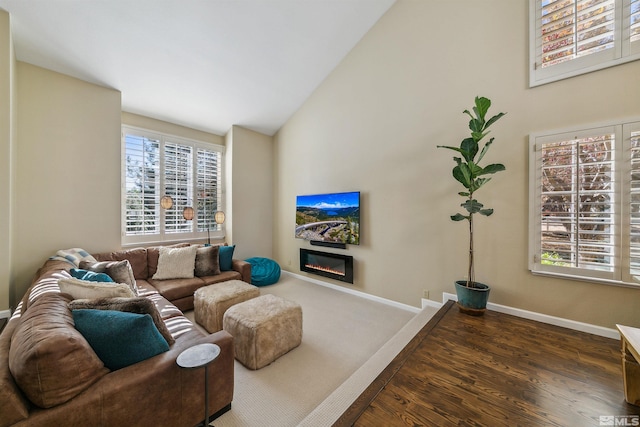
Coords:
178,182
142,185
570,29
156,165
572,37
208,179
577,203
632,26
634,201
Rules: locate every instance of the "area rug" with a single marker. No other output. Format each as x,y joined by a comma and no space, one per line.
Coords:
347,341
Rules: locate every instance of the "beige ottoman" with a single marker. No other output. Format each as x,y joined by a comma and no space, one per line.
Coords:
211,302
264,329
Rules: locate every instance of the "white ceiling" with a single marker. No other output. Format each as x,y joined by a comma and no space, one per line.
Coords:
205,64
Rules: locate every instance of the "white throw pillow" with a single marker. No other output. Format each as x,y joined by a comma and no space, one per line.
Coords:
176,263
83,289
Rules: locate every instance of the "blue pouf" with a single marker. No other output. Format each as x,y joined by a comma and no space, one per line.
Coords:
264,271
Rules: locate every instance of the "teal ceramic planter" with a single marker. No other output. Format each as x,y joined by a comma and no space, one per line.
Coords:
472,301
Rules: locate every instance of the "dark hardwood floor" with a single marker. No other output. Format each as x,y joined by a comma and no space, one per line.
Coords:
497,370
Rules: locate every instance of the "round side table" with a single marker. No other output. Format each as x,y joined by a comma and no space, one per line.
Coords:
196,357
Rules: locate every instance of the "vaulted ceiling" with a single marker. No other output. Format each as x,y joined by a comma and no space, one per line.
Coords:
205,64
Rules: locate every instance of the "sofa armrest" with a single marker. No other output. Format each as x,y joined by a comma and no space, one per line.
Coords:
242,267
152,392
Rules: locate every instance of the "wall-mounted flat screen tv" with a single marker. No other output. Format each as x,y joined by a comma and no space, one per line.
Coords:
332,218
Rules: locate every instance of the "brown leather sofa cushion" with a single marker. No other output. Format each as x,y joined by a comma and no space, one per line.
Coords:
137,257
174,289
13,406
49,359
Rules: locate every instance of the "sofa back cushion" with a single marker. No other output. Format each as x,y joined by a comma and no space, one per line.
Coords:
49,359
137,258
45,281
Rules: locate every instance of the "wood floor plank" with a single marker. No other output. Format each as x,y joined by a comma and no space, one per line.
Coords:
363,401
495,370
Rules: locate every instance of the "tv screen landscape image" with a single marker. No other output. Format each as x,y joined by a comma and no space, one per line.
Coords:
333,217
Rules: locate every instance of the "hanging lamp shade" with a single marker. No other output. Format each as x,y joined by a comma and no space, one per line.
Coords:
188,213
219,217
166,202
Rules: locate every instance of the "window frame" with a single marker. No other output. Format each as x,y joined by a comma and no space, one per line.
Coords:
621,274
623,51
163,236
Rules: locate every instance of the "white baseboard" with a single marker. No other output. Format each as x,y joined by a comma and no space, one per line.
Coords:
539,317
429,303
354,292
5,314
544,318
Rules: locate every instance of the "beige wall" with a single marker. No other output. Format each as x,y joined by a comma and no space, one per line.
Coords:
68,168
249,173
148,123
374,123
7,153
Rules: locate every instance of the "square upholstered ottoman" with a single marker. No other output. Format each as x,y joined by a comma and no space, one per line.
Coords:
264,329
211,302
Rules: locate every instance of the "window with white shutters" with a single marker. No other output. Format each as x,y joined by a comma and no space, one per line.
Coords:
585,204
157,165
631,29
142,185
572,37
634,200
178,184
207,188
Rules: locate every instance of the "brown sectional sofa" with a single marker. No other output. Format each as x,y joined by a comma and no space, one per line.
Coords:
179,292
154,391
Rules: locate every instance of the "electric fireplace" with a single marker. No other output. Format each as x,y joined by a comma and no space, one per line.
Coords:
333,266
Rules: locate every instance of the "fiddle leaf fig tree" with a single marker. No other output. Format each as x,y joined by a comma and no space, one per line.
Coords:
468,171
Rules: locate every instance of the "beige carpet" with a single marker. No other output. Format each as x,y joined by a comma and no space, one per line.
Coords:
347,340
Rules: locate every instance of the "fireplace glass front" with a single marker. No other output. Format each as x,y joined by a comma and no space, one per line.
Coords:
334,266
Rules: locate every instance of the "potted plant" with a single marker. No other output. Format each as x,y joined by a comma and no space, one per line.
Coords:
472,295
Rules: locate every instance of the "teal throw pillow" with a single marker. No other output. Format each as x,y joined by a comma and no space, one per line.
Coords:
90,276
120,338
226,256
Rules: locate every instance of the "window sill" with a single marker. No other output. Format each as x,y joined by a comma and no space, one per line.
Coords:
595,280
216,240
